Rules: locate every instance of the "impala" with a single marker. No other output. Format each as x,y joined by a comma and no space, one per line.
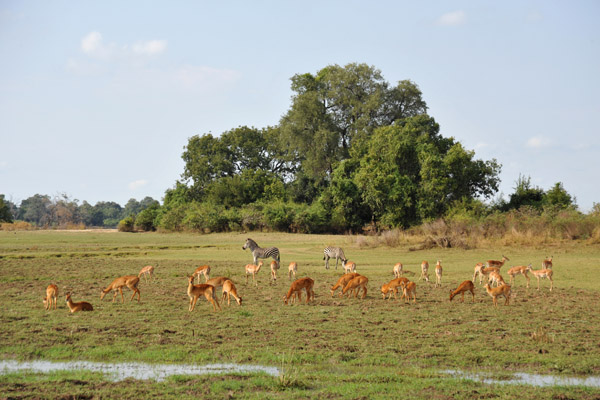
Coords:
252,269
51,294
202,270
229,290
149,270
547,263
424,271
131,281
521,269
274,268
392,287
292,269
409,288
398,270
80,306
195,291
296,289
355,284
466,286
438,273
349,266
217,282
496,278
496,263
503,290
542,273
477,271
344,279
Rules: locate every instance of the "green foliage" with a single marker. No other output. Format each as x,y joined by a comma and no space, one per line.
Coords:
127,224
146,218
5,214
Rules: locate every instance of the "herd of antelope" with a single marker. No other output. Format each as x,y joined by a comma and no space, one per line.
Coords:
349,283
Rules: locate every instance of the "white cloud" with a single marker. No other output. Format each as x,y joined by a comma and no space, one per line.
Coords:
135,185
454,18
538,142
93,46
150,48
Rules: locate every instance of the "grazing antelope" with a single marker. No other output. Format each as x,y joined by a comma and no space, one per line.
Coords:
355,284
485,272
349,266
131,281
51,294
80,306
496,278
514,271
296,289
217,282
344,279
292,269
542,273
392,287
438,273
229,290
148,269
202,270
252,269
195,291
424,271
496,263
409,288
274,268
466,286
398,270
503,290
547,263
477,271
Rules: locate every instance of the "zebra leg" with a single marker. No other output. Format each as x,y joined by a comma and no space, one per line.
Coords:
326,262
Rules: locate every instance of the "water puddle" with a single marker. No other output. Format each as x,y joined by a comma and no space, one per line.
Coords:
121,371
520,378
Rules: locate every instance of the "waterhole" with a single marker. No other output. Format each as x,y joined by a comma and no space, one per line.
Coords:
521,378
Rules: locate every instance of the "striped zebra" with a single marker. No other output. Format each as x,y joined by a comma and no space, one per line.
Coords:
333,252
259,252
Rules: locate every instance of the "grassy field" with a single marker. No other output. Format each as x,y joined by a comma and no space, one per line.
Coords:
330,348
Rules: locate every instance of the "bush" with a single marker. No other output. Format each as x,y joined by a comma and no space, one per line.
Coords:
126,224
145,219
205,217
16,226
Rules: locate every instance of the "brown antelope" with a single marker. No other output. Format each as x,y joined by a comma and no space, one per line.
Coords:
398,270
409,288
202,270
217,282
229,290
392,287
477,271
485,272
466,286
547,263
149,270
496,263
80,306
195,291
424,271
344,279
252,269
503,290
355,284
542,273
514,271
349,266
131,281
496,278
51,294
274,268
296,289
292,269
438,273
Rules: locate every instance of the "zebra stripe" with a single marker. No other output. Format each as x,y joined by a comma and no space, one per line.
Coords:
259,252
333,252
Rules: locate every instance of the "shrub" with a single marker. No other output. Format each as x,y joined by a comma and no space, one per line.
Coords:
126,224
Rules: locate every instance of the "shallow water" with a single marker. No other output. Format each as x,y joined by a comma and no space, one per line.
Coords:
121,371
520,378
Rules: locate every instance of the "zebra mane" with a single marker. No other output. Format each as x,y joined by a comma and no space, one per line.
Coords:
252,243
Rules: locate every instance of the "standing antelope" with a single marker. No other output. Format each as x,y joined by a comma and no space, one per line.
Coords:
466,286
547,263
424,271
80,306
344,279
503,290
496,278
217,282
398,270
259,252
477,271
195,291
202,270
355,284
292,269
542,273
51,294
438,273
485,272
148,269
252,269
296,290
349,266
229,290
409,288
496,263
392,287
274,268
333,252
521,269
131,281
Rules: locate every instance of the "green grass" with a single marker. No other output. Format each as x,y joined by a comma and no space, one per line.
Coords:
335,348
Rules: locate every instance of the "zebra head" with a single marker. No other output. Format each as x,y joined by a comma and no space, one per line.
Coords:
249,244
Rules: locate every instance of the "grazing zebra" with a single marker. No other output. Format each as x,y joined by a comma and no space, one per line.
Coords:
259,252
333,252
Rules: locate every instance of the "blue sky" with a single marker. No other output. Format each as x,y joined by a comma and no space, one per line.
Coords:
98,99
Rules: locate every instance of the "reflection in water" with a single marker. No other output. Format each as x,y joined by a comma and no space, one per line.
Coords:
121,371
528,379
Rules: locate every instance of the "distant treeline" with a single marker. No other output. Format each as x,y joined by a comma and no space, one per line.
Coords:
352,153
